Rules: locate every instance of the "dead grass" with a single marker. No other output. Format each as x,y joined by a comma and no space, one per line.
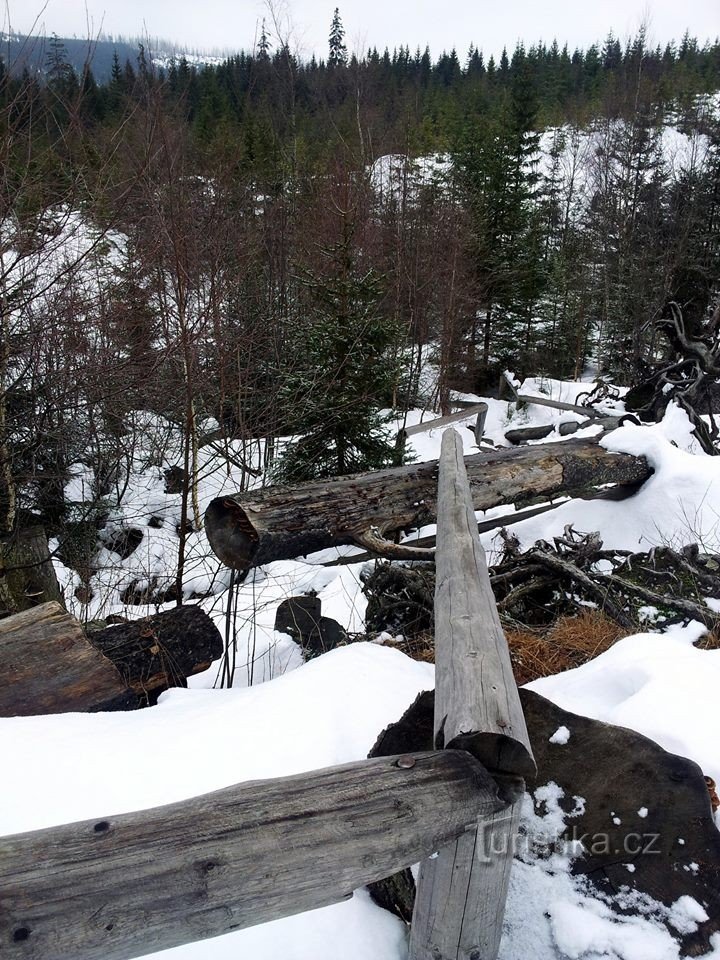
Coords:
567,643
540,652
709,641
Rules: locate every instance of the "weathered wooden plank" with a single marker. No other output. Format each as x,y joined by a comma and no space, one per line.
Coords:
476,699
479,428
461,892
549,402
47,665
124,886
445,421
279,523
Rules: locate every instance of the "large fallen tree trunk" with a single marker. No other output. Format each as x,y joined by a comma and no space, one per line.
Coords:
162,651
278,523
47,665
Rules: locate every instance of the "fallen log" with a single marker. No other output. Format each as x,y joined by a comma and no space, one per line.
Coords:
133,884
279,523
47,665
162,651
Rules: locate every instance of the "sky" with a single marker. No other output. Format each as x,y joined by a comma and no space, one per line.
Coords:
441,24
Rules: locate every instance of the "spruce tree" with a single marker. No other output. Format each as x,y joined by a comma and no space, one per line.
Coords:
343,373
338,56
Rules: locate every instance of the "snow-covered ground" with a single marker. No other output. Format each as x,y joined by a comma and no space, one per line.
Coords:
331,709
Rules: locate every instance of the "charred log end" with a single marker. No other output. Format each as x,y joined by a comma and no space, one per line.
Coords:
501,755
230,533
620,469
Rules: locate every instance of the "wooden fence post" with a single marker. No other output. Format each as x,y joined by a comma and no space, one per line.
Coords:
462,891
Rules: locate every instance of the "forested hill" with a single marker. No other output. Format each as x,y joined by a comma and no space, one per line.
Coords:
288,248
36,53
412,99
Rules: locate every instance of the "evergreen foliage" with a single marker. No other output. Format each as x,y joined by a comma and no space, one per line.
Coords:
343,368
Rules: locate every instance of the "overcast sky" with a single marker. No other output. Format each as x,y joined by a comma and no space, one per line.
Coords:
443,24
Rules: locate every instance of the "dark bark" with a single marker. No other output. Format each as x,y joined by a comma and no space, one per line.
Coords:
249,529
159,652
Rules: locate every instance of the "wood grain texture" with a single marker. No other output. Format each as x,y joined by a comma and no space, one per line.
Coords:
47,665
279,523
462,891
477,705
125,886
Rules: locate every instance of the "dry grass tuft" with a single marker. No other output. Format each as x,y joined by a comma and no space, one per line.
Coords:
567,643
709,641
542,651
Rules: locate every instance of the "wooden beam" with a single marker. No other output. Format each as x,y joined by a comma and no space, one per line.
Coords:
125,886
461,893
279,523
549,402
475,408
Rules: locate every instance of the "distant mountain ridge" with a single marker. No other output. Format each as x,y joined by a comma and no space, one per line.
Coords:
20,51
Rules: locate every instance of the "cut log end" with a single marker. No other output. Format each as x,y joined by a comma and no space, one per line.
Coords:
231,534
501,754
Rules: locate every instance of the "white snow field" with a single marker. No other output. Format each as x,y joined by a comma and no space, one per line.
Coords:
284,716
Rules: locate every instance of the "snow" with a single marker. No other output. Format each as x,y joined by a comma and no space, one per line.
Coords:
679,504
561,736
285,716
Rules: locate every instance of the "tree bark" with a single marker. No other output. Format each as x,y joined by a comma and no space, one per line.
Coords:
159,652
27,576
279,523
47,665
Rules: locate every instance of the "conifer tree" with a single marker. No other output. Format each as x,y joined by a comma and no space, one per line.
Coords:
343,371
338,56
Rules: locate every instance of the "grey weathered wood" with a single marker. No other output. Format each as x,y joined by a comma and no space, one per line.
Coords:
125,886
549,402
480,422
476,699
461,892
47,665
279,523
445,421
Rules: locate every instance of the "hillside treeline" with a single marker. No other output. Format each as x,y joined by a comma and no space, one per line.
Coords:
250,244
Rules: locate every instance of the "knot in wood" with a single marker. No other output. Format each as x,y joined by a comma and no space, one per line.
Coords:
405,763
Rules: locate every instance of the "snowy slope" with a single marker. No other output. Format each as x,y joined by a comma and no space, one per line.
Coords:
330,710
